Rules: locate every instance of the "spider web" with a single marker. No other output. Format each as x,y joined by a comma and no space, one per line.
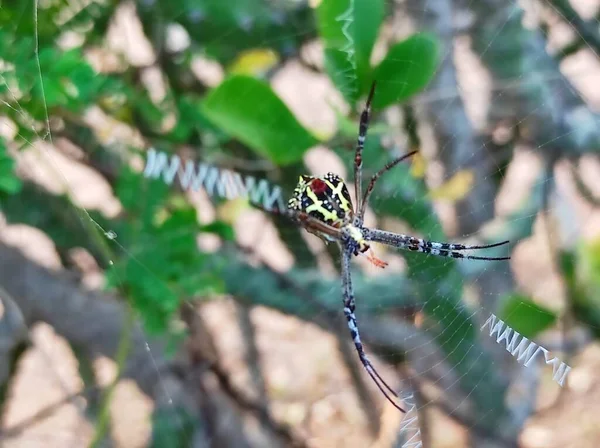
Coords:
307,375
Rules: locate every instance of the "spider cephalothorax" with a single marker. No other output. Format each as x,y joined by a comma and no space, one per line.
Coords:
322,205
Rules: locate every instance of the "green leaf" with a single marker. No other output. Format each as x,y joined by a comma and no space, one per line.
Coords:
222,29
249,110
9,183
525,316
581,271
221,229
140,196
406,69
172,427
350,28
342,73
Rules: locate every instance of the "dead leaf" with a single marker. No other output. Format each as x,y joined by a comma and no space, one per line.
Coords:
455,188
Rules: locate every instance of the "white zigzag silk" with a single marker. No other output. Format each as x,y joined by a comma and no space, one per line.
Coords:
410,423
215,181
524,350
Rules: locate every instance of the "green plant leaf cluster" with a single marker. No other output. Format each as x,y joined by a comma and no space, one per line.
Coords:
9,182
223,30
163,265
525,316
349,29
581,271
249,110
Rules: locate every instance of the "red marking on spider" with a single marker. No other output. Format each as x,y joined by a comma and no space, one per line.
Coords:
318,186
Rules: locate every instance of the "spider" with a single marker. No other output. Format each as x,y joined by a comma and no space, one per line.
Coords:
323,206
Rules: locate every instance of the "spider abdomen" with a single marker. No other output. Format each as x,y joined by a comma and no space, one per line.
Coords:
325,198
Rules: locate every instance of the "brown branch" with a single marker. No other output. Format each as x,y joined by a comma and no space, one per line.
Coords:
529,87
203,355
386,335
252,355
586,30
44,413
261,411
458,143
13,332
459,147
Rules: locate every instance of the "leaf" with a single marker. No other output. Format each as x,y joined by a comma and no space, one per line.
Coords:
455,188
406,69
249,110
418,166
224,28
342,73
255,62
172,427
221,229
349,28
9,182
140,196
525,316
581,271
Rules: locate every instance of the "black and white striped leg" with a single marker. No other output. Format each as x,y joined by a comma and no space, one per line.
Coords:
360,144
439,249
349,306
451,250
365,200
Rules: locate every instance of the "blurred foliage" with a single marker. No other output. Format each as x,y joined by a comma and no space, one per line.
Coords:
581,271
349,29
221,31
162,265
157,263
9,182
250,111
525,316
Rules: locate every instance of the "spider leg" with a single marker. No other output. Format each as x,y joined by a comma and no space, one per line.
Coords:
304,220
312,223
362,135
365,200
412,243
349,307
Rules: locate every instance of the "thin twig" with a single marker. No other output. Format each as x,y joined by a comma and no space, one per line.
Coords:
204,356
44,413
252,357
281,429
335,324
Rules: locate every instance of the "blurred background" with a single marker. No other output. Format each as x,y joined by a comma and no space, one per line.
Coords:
146,301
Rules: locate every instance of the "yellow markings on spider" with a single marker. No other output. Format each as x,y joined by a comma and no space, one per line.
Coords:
325,198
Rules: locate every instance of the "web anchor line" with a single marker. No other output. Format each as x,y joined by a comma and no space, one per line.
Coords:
523,349
217,182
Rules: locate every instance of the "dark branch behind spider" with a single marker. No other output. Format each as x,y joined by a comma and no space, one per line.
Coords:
203,354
